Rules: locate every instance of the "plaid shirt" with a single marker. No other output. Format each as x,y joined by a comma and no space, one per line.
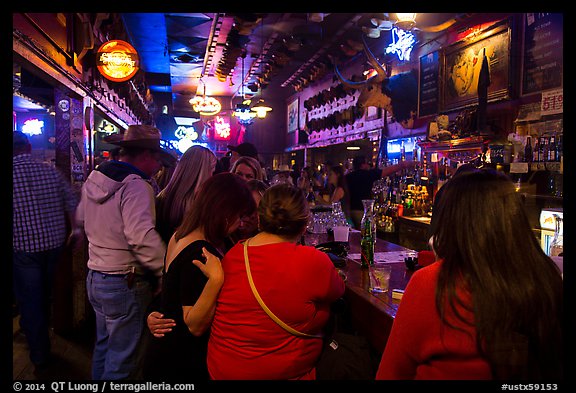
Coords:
41,199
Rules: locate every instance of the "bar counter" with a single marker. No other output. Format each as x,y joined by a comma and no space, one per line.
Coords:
372,314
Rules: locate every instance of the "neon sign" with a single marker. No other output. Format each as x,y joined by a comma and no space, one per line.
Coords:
206,106
183,132
117,60
221,128
33,127
402,43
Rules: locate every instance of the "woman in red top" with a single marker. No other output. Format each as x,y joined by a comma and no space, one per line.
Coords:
491,307
298,283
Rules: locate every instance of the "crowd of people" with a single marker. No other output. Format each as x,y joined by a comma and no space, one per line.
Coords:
167,269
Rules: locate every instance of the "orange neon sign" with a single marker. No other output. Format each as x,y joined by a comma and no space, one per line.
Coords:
117,60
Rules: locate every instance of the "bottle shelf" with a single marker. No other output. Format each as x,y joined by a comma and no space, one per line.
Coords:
468,143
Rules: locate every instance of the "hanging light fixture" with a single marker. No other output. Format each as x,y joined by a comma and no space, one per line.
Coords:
405,21
261,108
242,112
207,106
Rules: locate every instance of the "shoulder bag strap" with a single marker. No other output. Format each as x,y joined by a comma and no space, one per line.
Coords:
263,305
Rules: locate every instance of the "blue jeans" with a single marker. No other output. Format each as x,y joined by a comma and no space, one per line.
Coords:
33,278
120,322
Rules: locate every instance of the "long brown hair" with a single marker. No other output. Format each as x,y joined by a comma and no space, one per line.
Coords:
220,201
487,246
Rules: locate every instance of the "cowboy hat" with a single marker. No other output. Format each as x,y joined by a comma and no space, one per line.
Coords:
143,136
245,149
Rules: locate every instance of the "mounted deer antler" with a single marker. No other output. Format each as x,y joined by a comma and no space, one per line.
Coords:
397,95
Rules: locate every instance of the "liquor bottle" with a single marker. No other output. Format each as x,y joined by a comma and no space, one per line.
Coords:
552,149
402,152
368,234
536,150
560,148
528,154
543,148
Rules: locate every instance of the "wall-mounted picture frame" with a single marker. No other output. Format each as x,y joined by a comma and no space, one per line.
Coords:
293,116
461,66
373,113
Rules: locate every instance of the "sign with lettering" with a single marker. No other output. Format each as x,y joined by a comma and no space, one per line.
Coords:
428,86
543,52
117,60
552,102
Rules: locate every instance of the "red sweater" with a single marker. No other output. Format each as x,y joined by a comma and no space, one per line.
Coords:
421,347
298,284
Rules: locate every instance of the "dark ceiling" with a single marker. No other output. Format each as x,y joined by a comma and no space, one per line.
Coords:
182,54
185,53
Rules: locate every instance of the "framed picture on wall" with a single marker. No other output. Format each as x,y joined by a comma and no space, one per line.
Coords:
293,118
462,64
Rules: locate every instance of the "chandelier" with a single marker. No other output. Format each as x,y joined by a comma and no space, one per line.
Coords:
207,106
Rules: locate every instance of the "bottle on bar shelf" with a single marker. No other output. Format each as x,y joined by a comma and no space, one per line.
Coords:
552,149
536,150
368,234
528,154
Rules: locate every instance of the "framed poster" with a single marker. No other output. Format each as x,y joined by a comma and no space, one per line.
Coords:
462,64
542,55
428,91
293,116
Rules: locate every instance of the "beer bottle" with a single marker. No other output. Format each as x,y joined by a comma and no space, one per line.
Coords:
368,234
528,154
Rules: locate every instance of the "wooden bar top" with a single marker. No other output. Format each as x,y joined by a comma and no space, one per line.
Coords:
372,314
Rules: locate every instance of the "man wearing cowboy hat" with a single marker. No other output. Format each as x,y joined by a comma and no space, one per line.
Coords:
126,254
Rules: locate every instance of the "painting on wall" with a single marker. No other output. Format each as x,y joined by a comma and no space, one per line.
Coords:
462,64
293,116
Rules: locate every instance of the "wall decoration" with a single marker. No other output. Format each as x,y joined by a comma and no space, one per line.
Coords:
293,116
373,113
462,64
428,90
117,60
542,66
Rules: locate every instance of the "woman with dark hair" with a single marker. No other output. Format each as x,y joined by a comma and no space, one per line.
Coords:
249,223
491,306
297,283
340,193
190,287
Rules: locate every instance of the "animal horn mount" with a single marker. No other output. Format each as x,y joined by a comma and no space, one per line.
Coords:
381,73
398,94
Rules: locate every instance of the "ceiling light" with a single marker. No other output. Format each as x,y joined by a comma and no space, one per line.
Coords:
405,21
242,112
261,109
207,106
352,147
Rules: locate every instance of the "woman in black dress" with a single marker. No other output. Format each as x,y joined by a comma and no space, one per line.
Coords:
191,283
